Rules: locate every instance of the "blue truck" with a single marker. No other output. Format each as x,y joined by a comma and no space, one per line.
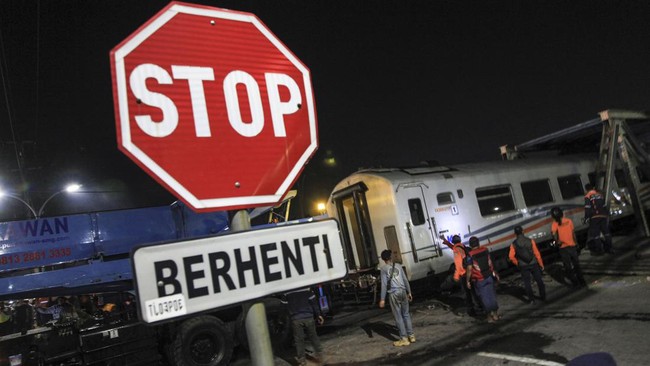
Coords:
85,259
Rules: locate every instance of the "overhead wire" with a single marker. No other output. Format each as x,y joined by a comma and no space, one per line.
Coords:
4,77
38,64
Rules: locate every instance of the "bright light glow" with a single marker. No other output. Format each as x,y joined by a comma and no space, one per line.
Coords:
73,187
320,206
330,162
31,209
69,188
496,209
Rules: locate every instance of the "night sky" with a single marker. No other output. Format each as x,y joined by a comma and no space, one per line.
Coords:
395,83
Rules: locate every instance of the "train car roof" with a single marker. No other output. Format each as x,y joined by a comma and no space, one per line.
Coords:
467,169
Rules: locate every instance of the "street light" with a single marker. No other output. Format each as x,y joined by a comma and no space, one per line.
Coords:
320,206
70,188
4,194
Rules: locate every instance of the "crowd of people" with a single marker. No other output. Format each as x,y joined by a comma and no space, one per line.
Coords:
18,318
474,271
25,314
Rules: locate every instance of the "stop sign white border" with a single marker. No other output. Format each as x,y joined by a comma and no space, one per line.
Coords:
122,97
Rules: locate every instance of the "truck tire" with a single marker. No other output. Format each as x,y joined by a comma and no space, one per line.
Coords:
279,323
201,341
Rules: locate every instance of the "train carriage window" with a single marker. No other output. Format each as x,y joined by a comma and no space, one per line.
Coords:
570,186
536,192
495,199
445,198
417,213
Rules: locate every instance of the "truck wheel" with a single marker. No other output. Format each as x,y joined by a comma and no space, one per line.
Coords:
203,340
279,323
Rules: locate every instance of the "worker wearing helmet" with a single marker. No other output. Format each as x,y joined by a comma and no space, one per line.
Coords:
565,237
463,263
481,278
597,215
525,255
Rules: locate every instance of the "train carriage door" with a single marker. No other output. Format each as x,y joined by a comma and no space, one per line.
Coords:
354,218
420,226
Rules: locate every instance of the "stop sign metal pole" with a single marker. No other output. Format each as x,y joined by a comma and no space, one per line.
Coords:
257,330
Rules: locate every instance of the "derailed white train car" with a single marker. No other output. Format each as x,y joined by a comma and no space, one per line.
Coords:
407,210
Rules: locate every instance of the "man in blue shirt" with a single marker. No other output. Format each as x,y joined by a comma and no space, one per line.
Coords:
395,284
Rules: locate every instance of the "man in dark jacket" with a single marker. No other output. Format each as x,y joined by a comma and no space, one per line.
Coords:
597,215
481,278
304,309
23,317
525,255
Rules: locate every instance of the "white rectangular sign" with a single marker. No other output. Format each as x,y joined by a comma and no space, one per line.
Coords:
196,275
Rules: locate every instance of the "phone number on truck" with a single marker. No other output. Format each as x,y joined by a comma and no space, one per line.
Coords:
35,256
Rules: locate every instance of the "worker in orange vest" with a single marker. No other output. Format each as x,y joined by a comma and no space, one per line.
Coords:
525,255
463,263
565,237
481,277
597,215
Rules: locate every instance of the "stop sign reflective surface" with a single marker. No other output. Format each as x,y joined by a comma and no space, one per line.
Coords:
213,106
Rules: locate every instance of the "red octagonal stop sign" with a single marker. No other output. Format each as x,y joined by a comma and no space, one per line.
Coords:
213,106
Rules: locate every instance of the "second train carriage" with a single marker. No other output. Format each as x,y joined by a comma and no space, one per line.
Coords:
406,210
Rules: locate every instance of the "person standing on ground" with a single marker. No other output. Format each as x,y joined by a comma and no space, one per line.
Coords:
395,284
5,320
462,261
24,317
304,309
597,215
54,310
525,255
565,237
481,277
